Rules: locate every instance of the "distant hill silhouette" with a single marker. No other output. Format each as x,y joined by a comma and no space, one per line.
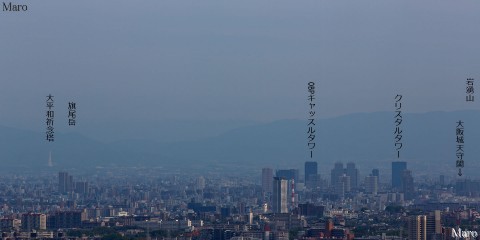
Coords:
364,138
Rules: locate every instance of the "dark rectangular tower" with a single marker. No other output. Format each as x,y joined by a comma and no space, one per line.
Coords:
311,169
397,174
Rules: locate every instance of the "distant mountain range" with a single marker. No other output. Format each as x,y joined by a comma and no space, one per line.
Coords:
364,138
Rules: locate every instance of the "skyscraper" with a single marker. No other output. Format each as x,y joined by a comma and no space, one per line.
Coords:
288,174
424,227
315,181
376,172
442,180
280,192
267,179
81,187
417,227
434,225
352,172
200,183
65,182
311,168
397,172
407,185
336,173
343,185
371,184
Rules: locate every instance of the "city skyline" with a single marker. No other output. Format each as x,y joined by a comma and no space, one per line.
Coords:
154,91
279,144
138,202
239,120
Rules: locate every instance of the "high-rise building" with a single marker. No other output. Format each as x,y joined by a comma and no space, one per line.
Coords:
343,185
280,195
315,181
424,227
434,225
34,221
376,172
200,183
81,187
336,173
267,179
288,174
371,184
311,169
352,172
65,182
62,182
442,180
397,172
407,185
417,227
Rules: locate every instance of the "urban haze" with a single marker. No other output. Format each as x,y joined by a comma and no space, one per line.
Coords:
190,119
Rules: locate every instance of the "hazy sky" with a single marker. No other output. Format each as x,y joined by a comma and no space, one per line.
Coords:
158,60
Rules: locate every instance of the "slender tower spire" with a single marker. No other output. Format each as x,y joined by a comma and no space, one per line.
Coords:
50,163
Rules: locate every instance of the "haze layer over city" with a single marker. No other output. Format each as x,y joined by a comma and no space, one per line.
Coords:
239,119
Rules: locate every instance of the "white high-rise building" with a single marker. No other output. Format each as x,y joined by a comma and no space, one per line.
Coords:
201,183
371,184
279,198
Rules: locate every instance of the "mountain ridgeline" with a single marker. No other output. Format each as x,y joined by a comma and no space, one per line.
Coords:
429,145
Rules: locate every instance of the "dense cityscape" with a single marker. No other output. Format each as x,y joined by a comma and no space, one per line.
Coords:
239,120
148,203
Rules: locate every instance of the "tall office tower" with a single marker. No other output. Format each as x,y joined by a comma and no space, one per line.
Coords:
311,168
65,182
291,176
442,180
352,172
288,174
434,225
343,185
71,184
407,185
417,227
315,181
34,221
81,187
371,184
397,172
62,182
200,183
336,173
376,172
280,195
267,179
